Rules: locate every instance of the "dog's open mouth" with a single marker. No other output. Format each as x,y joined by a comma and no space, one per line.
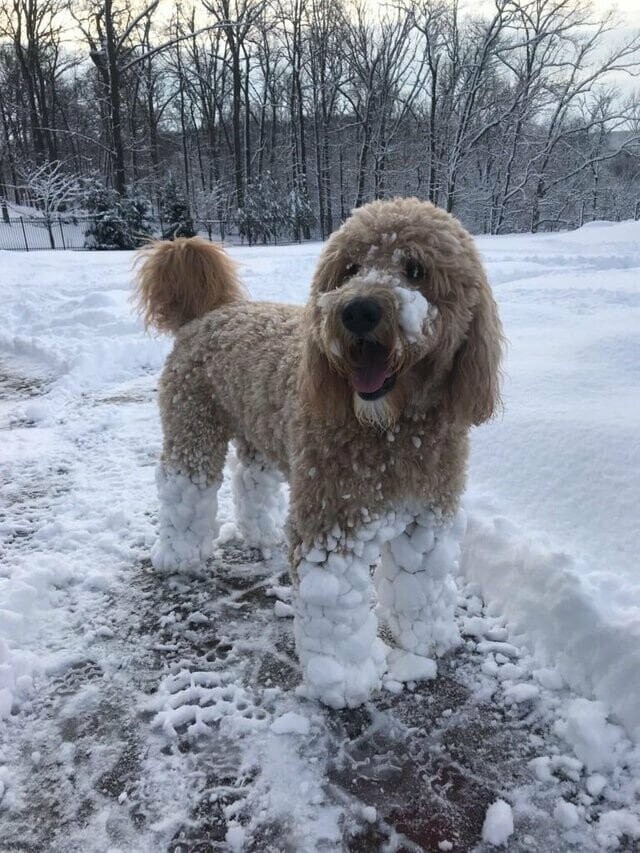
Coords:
372,377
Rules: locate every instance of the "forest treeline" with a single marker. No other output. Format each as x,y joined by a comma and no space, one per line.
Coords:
282,115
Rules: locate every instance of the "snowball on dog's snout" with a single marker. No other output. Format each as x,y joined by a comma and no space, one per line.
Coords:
415,312
362,400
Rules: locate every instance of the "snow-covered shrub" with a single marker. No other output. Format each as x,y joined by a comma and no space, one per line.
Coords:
264,215
117,222
270,212
214,208
300,213
176,215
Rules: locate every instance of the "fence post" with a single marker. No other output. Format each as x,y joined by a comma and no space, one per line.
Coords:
24,234
64,245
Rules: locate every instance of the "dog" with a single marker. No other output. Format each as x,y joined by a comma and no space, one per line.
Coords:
363,399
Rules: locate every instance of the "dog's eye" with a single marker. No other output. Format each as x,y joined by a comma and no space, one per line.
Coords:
413,270
350,270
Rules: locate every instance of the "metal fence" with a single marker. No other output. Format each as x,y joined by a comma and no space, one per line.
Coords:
25,233
31,233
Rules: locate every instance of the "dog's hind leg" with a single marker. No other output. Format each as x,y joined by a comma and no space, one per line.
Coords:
190,472
258,498
416,590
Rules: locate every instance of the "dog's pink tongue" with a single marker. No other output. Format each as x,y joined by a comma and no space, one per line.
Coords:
371,369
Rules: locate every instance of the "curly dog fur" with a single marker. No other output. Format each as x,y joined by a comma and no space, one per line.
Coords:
363,400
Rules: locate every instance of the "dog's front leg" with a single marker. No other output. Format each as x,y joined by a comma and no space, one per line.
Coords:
415,585
336,630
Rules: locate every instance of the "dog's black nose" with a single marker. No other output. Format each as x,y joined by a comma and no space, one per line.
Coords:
361,315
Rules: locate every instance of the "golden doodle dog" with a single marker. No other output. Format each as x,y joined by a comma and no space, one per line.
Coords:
363,400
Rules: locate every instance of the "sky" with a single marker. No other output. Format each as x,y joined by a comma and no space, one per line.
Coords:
629,8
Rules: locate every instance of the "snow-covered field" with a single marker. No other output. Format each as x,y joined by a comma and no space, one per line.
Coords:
141,713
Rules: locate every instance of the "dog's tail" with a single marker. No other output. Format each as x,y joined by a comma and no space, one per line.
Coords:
183,279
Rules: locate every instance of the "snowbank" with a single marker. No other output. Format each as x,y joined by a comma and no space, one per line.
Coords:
553,522
553,608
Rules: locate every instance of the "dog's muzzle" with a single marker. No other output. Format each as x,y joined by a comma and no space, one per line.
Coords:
372,377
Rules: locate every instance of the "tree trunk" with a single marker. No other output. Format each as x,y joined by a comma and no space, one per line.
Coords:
114,103
236,74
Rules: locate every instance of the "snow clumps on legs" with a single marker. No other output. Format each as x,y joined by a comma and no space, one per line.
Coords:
187,521
258,498
190,472
336,631
414,580
342,658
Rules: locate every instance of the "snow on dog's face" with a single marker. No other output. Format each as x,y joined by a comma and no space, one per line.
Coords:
399,305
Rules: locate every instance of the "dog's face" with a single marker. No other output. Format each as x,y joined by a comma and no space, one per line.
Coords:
400,307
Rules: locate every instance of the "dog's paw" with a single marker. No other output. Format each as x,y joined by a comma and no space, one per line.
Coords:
406,666
343,684
170,555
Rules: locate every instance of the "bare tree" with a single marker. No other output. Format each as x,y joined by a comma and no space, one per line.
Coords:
236,19
51,189
34,27
380,83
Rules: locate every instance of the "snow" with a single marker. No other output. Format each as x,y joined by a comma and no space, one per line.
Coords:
595,784
187,521
413,553
520,692
259,501
594,740
369,813
282,610
290,723
566,814
552,505
498,823
547,605
406,666
614,824
414,311
336,632
415,588
235,838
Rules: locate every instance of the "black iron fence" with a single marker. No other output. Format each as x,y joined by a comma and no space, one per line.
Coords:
30,233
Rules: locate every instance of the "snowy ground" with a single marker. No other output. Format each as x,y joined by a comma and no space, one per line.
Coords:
141,713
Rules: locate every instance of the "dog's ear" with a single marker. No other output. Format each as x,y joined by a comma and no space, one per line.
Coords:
474,389
329,267
319,387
